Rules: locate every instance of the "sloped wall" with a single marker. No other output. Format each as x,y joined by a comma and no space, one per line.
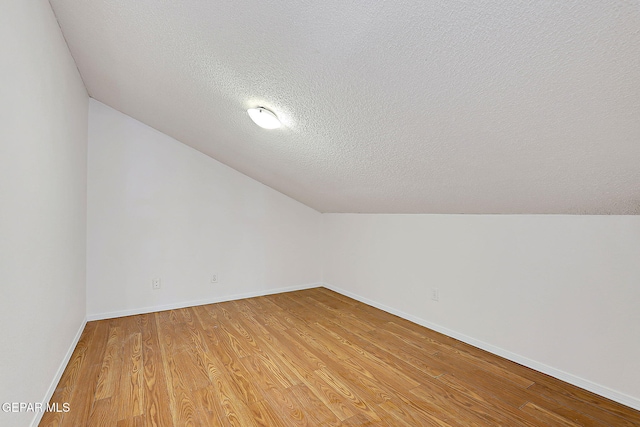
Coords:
160,209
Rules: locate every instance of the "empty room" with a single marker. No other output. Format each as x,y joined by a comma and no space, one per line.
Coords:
342,213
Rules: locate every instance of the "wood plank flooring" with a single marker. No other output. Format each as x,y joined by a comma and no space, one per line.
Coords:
305,358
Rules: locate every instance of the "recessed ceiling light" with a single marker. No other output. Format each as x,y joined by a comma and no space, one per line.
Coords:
264,118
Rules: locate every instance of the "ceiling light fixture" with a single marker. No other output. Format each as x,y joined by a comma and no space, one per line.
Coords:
264,118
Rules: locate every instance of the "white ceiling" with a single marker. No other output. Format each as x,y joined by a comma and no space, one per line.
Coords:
435,106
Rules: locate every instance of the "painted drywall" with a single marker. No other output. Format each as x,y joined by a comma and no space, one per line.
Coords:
559,293
160,209
43,145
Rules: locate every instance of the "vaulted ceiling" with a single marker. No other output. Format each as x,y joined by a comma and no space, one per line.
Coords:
438,106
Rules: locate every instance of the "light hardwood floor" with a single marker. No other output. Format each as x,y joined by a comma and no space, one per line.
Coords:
305,358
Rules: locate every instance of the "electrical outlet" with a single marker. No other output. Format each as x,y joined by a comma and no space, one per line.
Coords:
214,278
155,283
435,294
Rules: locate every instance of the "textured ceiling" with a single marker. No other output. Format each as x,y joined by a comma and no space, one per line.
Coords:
436,106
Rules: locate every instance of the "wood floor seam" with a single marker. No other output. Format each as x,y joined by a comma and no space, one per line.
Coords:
305,358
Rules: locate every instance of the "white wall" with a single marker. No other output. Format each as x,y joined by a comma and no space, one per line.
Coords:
559,293
158,208
43,140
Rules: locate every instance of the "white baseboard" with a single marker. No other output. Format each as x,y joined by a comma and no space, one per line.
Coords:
556,373
212,300
54,383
